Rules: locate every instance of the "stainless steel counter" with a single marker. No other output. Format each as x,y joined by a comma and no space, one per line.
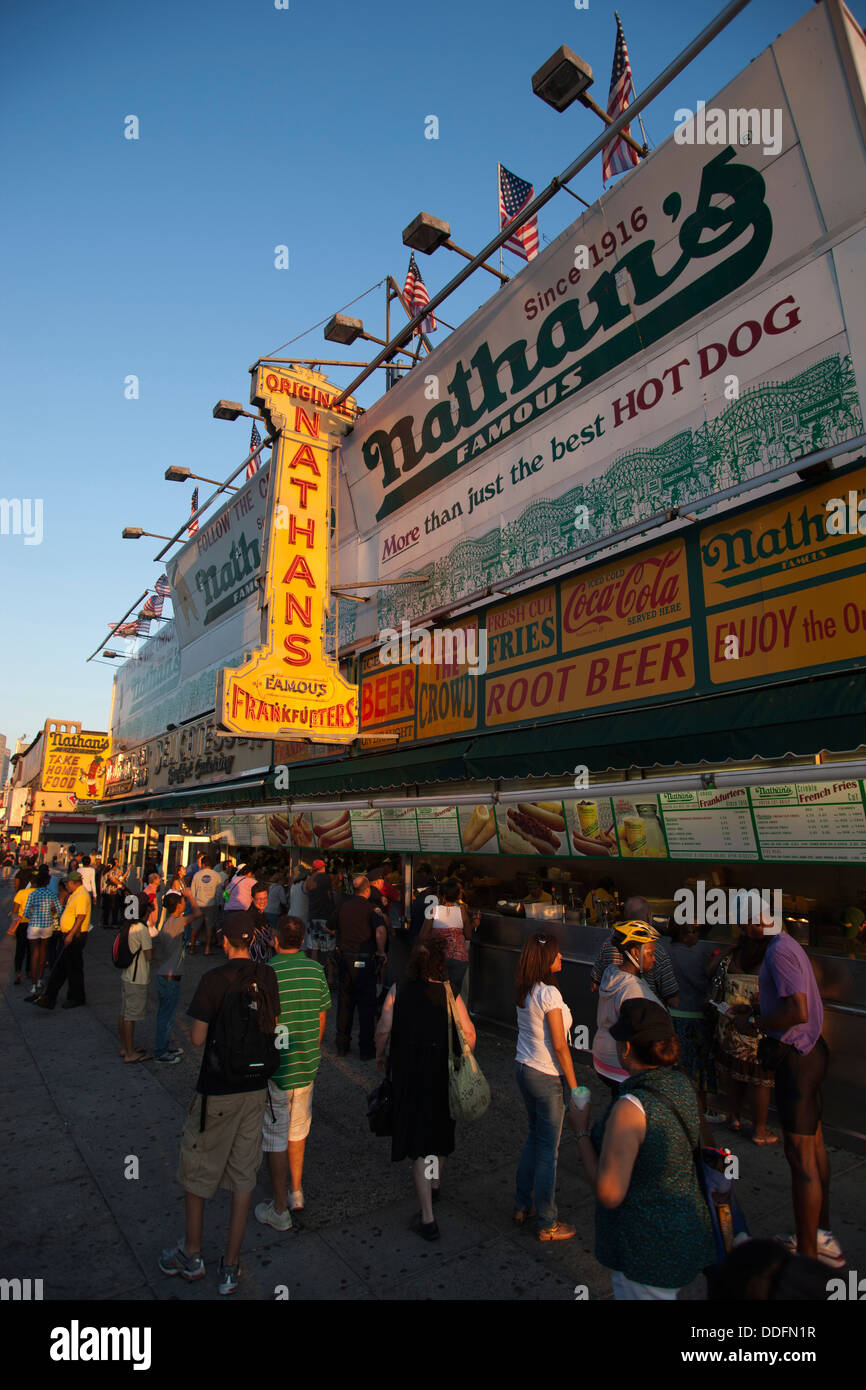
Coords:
497,944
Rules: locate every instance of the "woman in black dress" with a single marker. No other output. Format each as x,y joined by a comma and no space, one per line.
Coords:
416,1018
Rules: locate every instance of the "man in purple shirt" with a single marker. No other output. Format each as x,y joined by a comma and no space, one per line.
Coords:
792,1014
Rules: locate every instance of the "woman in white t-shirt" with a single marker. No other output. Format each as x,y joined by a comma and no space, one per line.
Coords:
545,1074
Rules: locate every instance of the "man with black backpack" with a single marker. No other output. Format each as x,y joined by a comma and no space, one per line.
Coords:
235,1010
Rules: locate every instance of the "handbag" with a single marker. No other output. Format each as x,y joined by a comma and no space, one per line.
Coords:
468,1091
717,1189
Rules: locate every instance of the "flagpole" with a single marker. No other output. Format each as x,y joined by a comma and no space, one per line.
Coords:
498,213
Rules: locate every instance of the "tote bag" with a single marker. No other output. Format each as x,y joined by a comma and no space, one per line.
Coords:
468,1091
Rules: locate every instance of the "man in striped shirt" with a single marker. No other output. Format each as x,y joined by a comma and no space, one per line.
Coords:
304,1002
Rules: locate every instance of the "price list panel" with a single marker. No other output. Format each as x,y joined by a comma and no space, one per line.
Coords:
366,829
816,822
400,829
438,829
709,824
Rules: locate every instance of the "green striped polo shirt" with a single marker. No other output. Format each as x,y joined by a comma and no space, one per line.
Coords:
304,994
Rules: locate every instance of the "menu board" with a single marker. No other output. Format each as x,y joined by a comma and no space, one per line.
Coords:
439,830
709,824
400,829
808,822
366,829
811,821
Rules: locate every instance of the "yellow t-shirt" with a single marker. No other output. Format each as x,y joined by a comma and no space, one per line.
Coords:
591,914
78,904
21,902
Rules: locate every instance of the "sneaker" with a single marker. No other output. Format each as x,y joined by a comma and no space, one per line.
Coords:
559,1231
714,1117
43,1003
296,1200
229,1275
170,1059
177,1261
829,1249
267,1213
175,1051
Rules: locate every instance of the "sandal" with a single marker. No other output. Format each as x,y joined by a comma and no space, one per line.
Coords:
768,1138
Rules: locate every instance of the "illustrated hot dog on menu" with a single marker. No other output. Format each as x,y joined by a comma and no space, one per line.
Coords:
334,834
480,828
534,829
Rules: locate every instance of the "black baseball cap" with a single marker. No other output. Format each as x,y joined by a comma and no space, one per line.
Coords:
642,1020
238,928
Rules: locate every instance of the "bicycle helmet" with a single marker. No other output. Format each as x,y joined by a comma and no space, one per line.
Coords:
630,937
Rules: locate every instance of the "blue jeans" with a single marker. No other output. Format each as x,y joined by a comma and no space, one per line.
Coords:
544,1098
167,993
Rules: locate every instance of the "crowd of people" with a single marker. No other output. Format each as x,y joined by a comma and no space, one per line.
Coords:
671,1022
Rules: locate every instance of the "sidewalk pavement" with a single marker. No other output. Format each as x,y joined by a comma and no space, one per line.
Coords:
76,1117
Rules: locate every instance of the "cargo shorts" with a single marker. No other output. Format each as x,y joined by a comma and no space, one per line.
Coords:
228,1152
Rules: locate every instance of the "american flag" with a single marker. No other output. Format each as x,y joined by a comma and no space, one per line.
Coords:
514,194
124,629
193,508
153,607
255,441
618,157
415,295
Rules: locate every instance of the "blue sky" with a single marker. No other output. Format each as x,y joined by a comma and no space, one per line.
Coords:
155,257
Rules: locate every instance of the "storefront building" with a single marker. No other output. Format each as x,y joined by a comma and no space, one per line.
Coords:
608,548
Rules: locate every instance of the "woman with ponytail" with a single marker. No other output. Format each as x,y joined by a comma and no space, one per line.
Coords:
652,1226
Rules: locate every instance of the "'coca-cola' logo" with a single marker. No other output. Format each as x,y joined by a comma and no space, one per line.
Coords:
645,585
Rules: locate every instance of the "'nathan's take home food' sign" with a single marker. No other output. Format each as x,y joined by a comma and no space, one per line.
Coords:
289,687
73,766
697,327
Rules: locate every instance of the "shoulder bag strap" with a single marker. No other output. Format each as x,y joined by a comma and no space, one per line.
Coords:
452,1010
694,1148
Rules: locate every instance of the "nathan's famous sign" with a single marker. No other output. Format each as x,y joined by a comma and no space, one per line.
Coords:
74,763
289,686
688,332
728,231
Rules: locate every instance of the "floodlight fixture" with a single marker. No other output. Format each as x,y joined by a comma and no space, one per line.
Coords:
562,79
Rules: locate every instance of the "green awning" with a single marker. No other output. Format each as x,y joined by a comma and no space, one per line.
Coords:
249,793
440,762
768,722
